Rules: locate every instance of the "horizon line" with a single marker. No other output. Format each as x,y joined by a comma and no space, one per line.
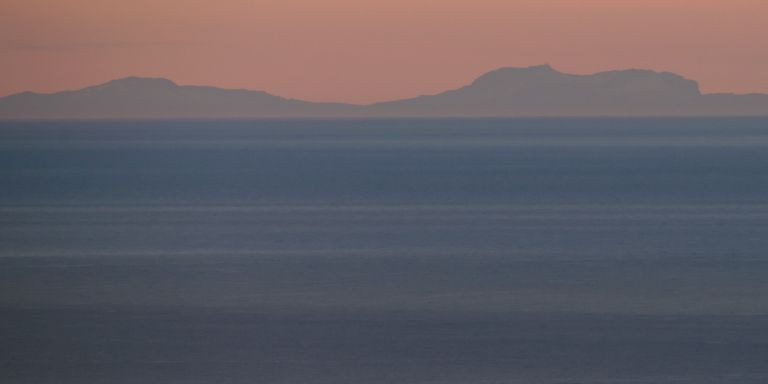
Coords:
545,66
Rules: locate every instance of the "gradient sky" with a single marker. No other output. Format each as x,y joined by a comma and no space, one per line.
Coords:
372,50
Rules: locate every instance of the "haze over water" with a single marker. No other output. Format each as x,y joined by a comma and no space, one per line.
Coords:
384,251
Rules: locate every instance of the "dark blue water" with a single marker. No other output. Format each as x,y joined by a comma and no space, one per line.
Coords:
384,251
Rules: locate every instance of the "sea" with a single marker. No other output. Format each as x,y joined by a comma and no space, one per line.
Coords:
384,251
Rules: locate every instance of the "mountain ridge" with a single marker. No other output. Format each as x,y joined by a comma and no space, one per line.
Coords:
537,91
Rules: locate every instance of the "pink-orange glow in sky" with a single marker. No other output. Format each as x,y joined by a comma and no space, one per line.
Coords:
371,50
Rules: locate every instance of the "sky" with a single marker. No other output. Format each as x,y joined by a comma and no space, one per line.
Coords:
374,50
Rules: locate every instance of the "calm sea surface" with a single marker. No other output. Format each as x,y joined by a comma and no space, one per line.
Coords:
541,251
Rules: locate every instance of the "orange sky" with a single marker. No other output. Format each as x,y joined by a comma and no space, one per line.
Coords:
371,50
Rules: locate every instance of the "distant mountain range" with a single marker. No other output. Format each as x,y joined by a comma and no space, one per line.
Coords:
538,91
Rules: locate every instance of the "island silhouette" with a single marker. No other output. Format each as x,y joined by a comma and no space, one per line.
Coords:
538,91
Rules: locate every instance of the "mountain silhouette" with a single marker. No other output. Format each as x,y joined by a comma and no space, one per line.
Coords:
506,92
542,91
135,97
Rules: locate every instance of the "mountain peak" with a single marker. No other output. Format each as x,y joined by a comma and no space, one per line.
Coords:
506,74
536,69
543,79
139,82
533,68
540,68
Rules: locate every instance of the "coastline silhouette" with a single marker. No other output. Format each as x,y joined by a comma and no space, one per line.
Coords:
538,91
